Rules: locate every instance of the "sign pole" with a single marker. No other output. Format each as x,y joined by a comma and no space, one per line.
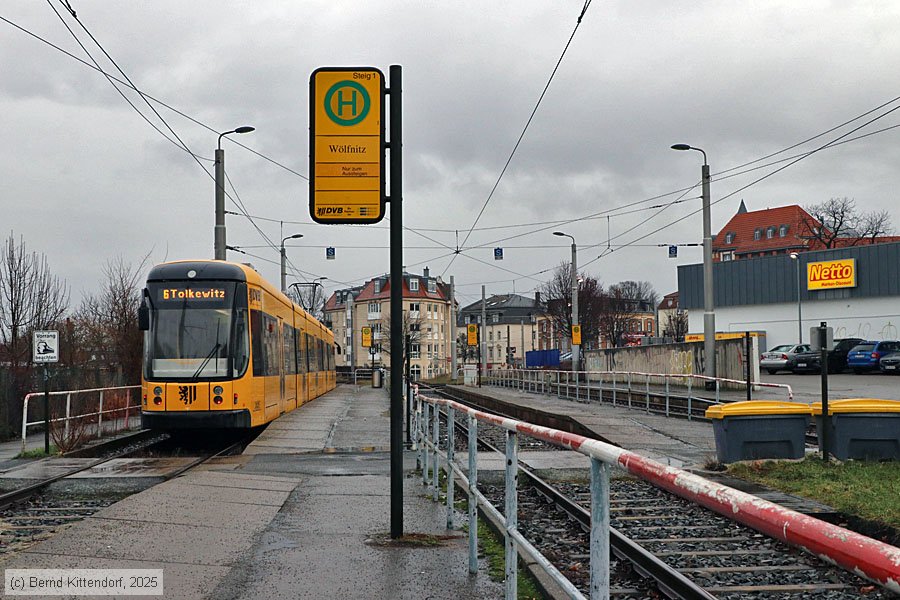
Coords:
46,410
748,362
396,199
823,368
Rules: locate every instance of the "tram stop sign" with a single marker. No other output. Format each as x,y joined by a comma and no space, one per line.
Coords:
346,145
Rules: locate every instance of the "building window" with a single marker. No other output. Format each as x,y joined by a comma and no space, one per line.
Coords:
491,336
757,233
729,237
415,327
414,307
432,286
726,256
415,372
496,317
414,285
782,231
414,351
770,232
377,286
374,307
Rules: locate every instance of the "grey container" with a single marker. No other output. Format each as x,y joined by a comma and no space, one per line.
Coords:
863,436
759,429
377,378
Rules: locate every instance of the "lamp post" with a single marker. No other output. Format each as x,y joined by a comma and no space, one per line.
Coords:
219,232
284,260
576,349
709,315
796,257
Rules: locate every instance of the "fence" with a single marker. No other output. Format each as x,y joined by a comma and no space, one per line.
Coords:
621,387
85,400
872,559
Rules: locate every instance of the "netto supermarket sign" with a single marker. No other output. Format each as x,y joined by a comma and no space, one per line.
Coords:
831,274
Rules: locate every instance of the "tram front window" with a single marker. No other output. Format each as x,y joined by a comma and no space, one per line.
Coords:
196,332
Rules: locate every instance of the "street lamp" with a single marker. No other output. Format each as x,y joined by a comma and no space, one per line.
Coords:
219,237
796,257
576,349
284,260
709,315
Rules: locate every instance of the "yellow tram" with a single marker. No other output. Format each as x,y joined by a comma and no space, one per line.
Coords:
224,349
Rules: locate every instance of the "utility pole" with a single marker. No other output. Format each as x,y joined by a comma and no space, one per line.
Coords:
219,231
482,345
350,329
452,328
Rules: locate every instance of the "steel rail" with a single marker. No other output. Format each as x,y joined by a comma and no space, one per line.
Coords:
671,582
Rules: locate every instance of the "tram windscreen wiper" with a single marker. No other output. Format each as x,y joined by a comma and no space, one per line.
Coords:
205,362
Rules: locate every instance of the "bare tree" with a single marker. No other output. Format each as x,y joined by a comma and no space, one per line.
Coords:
411,326
31,298
676,325
110,319
839,218
617,314
557,294
639,290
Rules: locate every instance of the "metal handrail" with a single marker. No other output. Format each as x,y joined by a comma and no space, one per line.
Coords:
68,394
854,552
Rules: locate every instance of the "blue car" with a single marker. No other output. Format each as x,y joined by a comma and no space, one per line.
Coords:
865,356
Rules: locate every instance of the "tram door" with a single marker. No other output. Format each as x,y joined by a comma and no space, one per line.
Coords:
281,362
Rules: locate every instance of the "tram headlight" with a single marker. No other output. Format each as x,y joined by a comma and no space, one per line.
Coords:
157,391
218,390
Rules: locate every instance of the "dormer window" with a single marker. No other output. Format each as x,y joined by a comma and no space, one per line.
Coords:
782,231
377,286
729,237
757,233
432,286
414,285
770,232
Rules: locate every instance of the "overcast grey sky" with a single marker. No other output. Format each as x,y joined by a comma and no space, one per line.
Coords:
86,179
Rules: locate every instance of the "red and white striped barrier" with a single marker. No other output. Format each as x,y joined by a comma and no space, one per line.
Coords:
864,556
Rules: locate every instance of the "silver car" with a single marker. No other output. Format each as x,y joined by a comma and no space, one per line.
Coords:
781,358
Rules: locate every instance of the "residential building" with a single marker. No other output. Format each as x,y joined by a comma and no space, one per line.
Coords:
775,231
514,325
427,318
672,320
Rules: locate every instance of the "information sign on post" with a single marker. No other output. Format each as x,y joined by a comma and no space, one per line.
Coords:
367,337
576,335
472,334
45,348
346,145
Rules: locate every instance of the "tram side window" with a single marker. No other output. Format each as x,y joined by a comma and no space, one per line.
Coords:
256,335
287,339
301,350
310,354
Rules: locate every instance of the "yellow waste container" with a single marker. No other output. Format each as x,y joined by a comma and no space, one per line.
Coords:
861,428
759,429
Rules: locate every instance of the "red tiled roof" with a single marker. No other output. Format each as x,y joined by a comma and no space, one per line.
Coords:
743,226
368,292
669,301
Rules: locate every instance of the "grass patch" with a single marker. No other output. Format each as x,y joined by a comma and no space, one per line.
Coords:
38,453
870,490
495,552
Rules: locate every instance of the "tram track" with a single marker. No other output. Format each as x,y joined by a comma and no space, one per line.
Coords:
31,513
670,545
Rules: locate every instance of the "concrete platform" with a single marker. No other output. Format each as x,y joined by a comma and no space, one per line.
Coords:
670,441
304,513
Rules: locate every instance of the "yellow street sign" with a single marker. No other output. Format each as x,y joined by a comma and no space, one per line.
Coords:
346,145
367,337
472,332
576,335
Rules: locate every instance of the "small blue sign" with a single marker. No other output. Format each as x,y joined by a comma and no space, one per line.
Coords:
329,253
498,253
673,251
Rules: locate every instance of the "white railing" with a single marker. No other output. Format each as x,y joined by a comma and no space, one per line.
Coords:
873,559
584,386
99,413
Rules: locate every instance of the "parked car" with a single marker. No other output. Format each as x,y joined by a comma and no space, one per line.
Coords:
780,358
809,362
865,356
890,363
